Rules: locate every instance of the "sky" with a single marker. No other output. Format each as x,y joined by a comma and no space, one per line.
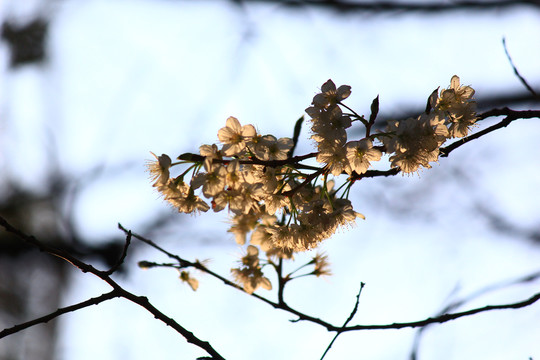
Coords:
128,77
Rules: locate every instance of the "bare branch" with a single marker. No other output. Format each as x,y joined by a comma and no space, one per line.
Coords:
197,265
521,78
281,304
117,289
511,115
44,319
447,317
400,7
123,257
355,309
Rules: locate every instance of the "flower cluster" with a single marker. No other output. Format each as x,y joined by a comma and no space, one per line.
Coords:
288,206
415,142
249,273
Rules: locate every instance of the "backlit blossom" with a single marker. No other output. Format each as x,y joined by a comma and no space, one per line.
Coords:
359,154
241,225
289,205
278,149
458,104
192,282
159,169
189,204
329,126
234,136
322,266
249,274
334,156
210,152
330,95
416,141
212,182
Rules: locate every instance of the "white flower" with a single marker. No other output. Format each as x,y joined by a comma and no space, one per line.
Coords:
279,149
192,282
159,169
212,182
234,177
334,156
458,104
249,273
231,197
416,142
330,95
260,235
210,152
360,153
234,136
241,225
189,204
330,125
322,266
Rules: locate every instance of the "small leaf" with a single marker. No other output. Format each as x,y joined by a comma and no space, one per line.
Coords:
189,157
296,135
374,110
432,99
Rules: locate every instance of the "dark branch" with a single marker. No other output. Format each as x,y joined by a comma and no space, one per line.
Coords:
511,115
447,317
340,329
44,319
117,289
197,265
521,78
460,302
123,257
353,312
395,7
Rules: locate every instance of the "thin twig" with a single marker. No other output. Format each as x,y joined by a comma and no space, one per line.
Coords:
122,257
460,302
400,7
44,319
120,291
353,312
447,317
197,265
511,115
521,78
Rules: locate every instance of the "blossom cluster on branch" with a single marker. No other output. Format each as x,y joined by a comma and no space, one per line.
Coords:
287,205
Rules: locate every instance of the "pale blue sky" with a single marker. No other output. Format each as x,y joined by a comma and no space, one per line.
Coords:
129,77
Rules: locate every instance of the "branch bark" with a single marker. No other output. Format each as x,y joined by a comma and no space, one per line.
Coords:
118,291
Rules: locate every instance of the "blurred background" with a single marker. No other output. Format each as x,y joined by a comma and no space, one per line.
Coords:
89,88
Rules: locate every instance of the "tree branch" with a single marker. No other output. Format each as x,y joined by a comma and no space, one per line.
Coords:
521,78
400,7
282,305
447,317
117,289
44,319
353,312
511,115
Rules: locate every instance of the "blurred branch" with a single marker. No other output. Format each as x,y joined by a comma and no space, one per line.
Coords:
521,78
460,302
399,6
501,224
118,291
